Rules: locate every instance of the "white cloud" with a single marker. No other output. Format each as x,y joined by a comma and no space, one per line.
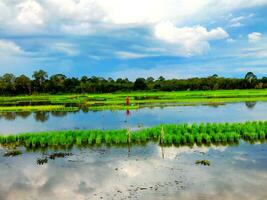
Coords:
192,40
30,13
254,37
9,48
239,21
236,21
85,15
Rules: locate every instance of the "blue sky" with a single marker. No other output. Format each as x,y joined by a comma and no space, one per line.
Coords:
140,38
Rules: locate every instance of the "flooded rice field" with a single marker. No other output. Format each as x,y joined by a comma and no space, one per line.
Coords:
137,172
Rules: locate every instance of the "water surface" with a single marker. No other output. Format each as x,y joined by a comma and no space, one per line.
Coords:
238,172
145,117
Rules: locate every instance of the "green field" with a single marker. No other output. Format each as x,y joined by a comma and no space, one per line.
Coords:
116,101
170,134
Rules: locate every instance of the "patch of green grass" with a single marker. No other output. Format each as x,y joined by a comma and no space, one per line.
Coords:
168,134
37,108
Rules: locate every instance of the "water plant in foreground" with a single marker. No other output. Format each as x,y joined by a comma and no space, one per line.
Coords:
203,162
166,134
44,160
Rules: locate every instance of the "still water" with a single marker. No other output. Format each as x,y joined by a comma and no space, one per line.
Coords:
150,172
145,117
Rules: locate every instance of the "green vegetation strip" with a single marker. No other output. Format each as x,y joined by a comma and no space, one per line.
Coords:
116,101
182,134
37,108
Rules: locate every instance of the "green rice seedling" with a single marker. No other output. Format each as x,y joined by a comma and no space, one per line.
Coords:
116,139
191,139
91,138
236,137
79,141
183,139
98,139
168,139
143,136
34,142
215,138
107,138
177,139
28,143
162,135
231,137
261,135
2,139
43,141
206,138
199,139
11,138
69,140
55,140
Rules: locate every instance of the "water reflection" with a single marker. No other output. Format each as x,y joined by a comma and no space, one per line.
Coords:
144,117
250,104
43,116
143,174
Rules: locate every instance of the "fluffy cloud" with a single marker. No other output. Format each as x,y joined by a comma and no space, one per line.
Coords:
192,40
254,37
85,15
30,13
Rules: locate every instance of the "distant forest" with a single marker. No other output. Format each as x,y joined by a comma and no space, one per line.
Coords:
59,83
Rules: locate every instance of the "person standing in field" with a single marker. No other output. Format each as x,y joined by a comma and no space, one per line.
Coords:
127,101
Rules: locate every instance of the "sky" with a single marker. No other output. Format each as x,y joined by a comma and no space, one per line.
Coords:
134,38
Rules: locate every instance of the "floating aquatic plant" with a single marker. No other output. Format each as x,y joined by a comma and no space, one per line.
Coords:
203,162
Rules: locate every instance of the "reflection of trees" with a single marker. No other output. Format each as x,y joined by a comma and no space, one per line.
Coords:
41,116
59,114
10,116
84,108
250,104
24,115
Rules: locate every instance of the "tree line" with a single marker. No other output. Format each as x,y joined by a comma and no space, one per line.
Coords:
40,82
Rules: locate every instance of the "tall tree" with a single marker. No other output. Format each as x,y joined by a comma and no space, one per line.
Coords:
57,83
140,84
23,85
250,76
40,77
8,83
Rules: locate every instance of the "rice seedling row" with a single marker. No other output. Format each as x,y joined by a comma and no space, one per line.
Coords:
166,134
